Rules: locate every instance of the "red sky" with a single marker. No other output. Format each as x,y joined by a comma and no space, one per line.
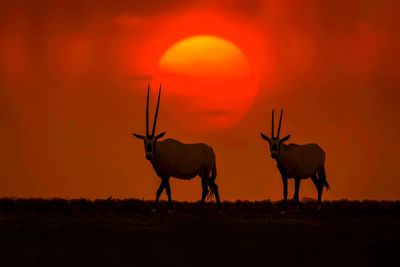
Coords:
72,90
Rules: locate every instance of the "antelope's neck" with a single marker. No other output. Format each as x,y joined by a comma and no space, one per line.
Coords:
282,152
154,161
154,164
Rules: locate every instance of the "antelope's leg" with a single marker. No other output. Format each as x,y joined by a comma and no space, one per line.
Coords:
204,187
296,190
214,188
158,194
168,190
284,180
320,186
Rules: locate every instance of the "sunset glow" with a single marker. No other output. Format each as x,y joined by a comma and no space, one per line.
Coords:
74,77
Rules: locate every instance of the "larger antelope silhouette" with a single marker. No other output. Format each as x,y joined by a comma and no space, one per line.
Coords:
172,158
298,162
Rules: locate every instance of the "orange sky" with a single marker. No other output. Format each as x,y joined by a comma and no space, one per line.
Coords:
72,90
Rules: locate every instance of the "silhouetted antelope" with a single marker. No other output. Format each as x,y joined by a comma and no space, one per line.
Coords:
171,158
298,162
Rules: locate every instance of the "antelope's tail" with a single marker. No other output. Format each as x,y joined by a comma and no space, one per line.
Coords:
213,176
322,177
210,194
213,173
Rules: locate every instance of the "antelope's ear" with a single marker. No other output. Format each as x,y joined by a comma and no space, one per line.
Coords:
139,136
284,139
160,135
266,138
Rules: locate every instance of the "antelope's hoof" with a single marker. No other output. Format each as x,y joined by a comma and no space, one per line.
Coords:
283,212
153,210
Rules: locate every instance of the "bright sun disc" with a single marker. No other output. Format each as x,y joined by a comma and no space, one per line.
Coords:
212,80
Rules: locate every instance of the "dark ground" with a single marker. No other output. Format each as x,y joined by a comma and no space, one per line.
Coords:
37,232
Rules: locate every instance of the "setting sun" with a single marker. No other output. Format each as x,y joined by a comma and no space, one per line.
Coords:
205,56
214,79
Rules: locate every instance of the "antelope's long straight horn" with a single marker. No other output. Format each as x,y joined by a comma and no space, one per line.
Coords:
155,116
273,116
147,111
280,122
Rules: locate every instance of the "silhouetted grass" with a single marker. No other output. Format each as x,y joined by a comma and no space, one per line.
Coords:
239,207
120,232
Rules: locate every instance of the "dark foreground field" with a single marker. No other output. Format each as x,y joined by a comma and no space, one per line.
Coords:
35,232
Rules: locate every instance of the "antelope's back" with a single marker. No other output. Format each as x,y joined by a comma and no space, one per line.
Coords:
187,155
312,151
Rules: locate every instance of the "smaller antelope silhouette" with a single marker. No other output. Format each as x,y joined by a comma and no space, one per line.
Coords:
171,158
298,162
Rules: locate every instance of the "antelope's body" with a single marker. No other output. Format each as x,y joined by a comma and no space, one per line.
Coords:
301,161
171,158
298,162
183,161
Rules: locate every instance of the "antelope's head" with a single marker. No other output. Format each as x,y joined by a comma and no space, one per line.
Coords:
275,142
150,140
